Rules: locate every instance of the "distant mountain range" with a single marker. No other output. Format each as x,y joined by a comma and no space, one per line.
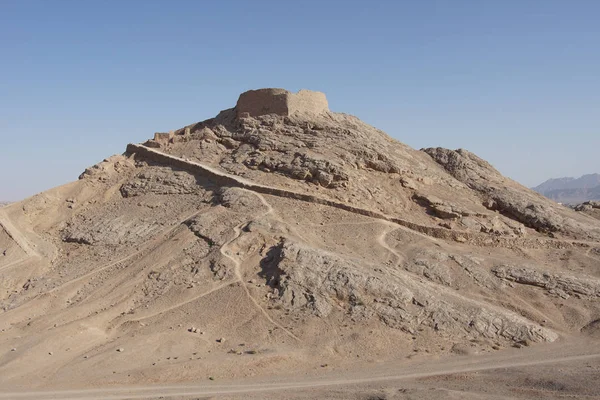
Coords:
571,190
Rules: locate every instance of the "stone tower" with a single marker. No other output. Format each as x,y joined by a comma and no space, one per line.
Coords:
281,102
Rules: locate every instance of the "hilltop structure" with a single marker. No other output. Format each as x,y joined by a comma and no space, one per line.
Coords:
281,102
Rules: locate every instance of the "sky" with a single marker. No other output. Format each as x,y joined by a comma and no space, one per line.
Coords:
516,82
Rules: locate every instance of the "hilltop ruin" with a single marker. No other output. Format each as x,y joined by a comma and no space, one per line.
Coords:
281,102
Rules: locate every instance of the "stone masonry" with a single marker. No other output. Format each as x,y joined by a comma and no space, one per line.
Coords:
281,102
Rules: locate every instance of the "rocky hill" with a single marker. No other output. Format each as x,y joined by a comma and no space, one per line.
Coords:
571,190
280,236
591,208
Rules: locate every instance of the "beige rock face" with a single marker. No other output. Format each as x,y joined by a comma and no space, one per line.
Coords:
281,102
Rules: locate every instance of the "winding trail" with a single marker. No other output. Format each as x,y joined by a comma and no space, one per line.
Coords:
227,252
381,240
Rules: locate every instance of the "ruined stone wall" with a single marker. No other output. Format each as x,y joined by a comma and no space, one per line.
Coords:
163,137
281,102
224,179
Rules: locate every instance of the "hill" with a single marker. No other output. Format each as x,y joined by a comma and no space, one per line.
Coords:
277,237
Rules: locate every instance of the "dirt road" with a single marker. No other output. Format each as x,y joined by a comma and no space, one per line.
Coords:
381,374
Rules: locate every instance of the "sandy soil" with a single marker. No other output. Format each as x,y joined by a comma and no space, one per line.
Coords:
559,370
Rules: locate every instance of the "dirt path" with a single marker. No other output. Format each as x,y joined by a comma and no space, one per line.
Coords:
228,252
382,241
16,235
388,373
183,303
16,262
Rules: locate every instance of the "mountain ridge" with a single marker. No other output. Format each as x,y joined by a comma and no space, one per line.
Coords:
571,190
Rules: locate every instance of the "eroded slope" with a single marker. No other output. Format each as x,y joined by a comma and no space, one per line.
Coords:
252,245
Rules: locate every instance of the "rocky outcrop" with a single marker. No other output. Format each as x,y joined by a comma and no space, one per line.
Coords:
160,181
480,176
117,232
108,169
591,208
438,207
560,285
587,206
317,281
508,197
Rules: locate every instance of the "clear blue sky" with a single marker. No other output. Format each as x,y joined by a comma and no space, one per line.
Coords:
517,82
